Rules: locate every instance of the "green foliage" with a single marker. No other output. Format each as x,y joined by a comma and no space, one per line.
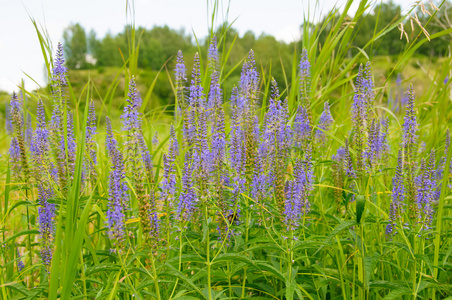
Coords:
340,250
75,46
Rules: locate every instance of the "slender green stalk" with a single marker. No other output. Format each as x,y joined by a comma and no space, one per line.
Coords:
290,262
246,240
30,249
360,257
208,262
181,224
154,273
439,217
414,267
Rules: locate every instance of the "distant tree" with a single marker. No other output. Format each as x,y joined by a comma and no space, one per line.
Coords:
383,16
442,20
75,46
248,40
93,43
159,44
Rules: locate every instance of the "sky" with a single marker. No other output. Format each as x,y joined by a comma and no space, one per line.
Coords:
20,53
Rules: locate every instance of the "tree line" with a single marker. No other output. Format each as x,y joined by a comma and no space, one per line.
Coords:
159,44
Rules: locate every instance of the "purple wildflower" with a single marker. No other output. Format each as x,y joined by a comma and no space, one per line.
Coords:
90,143
57,139
9,121
399,97
169,178
16,107
398,197
305,66
362,104
17,119
399,79
146,157
115,213
91,122
53,172
382,145
20,263
277,134
59,72
338,173
339,157
189,126
326,120
367,85
260,184
305,174
153,217
349,170
301,127
155,139
201,152
425,191
131,120
130,117
46,213
292,205
187,196
71,145
249,84
410,126
305,80
117,190
215,95
218,146
296,194
213,55
174,144
181,77
373,143
40,141
55,119
180,70
237,150
14,158
196,90
169,168
196,126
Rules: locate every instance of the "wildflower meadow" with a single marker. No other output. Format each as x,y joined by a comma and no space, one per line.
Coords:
326,188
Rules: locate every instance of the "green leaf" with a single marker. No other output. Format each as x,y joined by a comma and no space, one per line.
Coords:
105,267
173,272
396,294
370,263
115,287
360,205
427,261
384,284
16,235
266,267
234,257
18,287
290,289
339,228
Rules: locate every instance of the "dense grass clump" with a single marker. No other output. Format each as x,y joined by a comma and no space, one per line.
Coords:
329,189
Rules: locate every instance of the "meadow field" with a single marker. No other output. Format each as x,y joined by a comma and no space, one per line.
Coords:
333,184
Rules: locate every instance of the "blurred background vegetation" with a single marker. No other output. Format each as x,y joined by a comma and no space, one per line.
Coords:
101,59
